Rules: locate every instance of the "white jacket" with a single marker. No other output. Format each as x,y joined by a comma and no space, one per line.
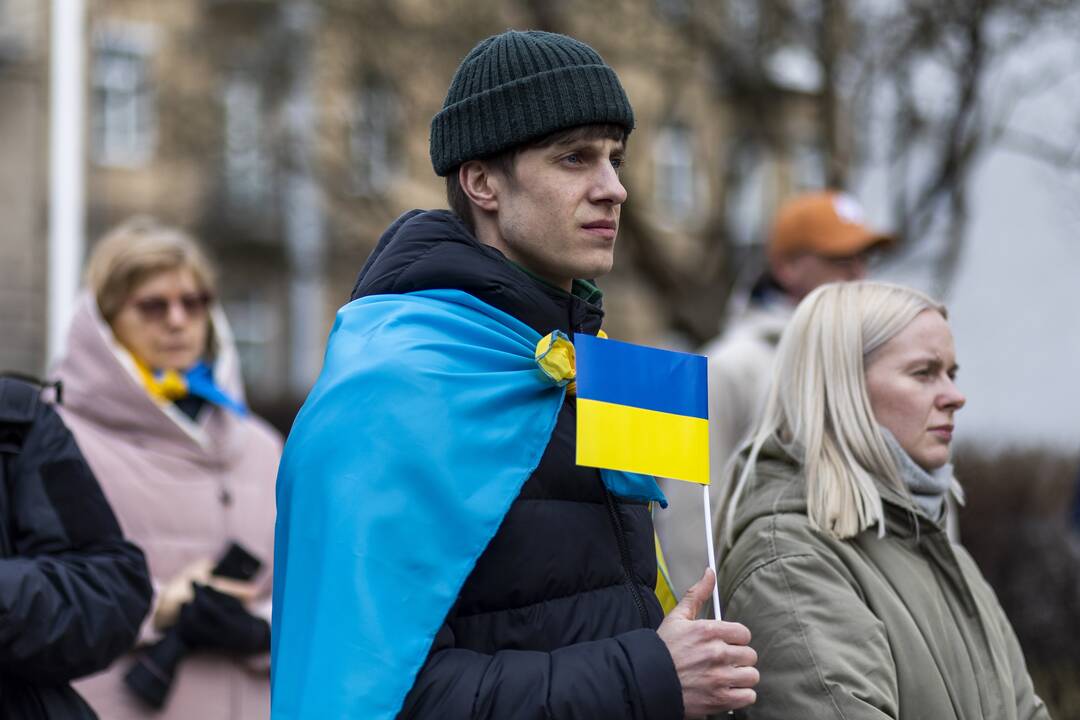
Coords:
740,371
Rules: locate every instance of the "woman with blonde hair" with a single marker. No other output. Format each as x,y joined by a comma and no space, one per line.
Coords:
153,395
835,552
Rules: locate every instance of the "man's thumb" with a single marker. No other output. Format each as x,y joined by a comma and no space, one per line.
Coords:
696,596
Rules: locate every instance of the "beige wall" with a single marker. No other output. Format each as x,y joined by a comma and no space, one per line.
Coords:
23,137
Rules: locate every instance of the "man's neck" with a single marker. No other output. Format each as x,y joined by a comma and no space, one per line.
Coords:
582,289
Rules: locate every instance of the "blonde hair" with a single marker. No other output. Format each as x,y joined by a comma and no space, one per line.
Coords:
819,409
136,250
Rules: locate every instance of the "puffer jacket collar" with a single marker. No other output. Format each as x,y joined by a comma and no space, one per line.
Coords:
428,250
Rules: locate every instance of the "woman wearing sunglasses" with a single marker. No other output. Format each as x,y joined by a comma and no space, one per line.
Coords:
153,394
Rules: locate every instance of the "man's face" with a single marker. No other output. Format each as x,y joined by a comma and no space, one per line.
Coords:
801,274
559,213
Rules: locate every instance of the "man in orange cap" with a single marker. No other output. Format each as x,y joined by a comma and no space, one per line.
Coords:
816,238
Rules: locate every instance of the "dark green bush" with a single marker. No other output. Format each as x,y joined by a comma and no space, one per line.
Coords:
1016,524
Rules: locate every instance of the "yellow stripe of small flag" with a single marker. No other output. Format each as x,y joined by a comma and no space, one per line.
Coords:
627,438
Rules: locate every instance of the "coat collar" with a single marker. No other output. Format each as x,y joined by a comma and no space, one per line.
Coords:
433,250
102,385
779,486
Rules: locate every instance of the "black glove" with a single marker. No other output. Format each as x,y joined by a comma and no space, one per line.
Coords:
215,621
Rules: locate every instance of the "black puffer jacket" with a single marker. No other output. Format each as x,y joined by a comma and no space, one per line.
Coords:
558,618
73,592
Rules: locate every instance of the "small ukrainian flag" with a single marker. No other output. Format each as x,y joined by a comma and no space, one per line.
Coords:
642,410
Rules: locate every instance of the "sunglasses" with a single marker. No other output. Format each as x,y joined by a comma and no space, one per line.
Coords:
156,308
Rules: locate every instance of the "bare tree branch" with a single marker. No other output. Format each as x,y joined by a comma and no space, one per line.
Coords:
1039,148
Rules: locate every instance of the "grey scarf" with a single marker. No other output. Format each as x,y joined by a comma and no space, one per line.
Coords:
928,489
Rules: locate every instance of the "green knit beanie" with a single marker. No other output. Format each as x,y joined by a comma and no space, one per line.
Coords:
520,86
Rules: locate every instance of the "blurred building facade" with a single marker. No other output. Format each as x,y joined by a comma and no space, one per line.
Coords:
23,146
287,135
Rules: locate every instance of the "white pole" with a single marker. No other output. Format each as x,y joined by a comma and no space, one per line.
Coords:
712,554
66,181
305,237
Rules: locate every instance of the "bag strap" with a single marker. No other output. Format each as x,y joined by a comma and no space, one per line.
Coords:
57,386
18,401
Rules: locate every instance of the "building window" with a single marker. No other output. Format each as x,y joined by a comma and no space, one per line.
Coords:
9,39
124,121
247,168
675,179
808,167
256,332
750,200
375,141
676,11
19,23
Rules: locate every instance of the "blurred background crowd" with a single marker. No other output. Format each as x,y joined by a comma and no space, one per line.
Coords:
286,134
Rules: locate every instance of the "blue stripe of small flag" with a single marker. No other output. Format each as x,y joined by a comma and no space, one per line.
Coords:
642,377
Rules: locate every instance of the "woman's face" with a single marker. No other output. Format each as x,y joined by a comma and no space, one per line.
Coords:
912,388
164,321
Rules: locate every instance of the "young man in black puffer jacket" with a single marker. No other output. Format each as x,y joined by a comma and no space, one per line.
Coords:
73,591
557,618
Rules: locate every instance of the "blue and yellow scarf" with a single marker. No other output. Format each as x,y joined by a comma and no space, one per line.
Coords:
170,385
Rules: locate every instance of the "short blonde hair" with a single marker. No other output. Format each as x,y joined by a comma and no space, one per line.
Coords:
818,405
136,250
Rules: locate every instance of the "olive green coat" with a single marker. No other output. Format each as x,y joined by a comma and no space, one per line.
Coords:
900,627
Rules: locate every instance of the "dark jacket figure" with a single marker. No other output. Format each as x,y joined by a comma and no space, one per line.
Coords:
1075,516
73,592
570,564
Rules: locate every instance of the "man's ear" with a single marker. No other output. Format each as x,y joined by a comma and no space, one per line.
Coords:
475,178
788,272
782,270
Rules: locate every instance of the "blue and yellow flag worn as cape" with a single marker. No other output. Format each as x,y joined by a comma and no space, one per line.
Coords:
429,415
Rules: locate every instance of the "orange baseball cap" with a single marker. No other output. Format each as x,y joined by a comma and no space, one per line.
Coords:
826,223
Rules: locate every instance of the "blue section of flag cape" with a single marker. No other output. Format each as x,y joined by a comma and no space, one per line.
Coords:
428,417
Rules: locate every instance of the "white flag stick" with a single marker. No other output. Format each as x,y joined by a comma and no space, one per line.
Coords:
712,554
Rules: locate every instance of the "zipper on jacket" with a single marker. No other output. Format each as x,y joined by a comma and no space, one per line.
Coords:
624,556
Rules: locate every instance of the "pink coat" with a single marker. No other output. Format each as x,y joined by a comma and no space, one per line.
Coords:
181,490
